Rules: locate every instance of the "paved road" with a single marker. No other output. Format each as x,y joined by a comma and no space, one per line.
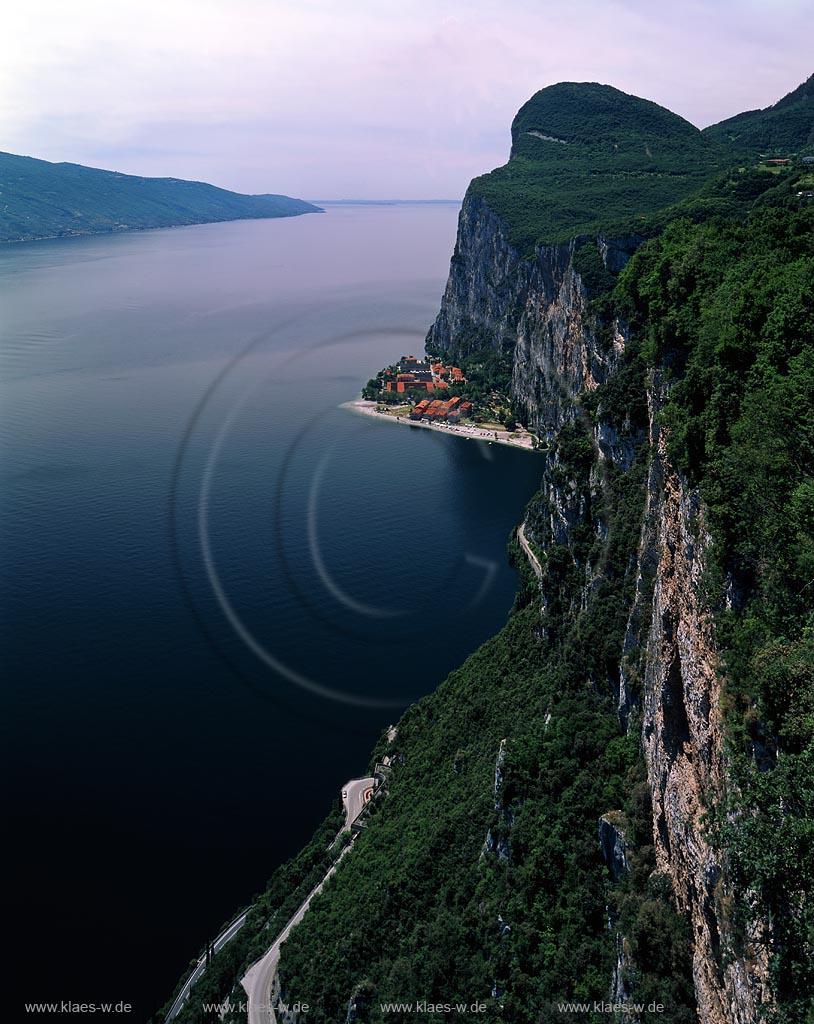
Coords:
257,980
228,933
259,977
524,544
355,794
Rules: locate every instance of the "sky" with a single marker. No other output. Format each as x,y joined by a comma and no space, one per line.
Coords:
366,99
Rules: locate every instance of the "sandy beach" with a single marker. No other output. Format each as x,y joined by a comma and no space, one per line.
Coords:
517,439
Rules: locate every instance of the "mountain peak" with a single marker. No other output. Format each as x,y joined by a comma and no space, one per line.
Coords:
591,114
587,157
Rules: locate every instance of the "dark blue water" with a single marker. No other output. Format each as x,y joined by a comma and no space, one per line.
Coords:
218,586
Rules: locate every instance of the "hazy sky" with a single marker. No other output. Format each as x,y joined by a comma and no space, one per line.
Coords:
362,99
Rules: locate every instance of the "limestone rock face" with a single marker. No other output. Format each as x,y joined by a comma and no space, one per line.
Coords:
682,736
533,309
534,312
486,285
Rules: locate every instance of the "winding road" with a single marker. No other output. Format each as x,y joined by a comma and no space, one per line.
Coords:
524,544
257,981
355,794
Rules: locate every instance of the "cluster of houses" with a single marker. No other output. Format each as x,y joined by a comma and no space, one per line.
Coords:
413,374
451,373
451,411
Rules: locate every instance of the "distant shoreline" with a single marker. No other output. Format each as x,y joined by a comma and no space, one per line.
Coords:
386,202
152,227
465,431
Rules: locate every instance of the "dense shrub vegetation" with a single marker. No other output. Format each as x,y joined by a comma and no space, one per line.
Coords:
266,917
721,307
481,877
588,159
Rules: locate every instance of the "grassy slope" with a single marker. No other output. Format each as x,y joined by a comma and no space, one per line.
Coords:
40,200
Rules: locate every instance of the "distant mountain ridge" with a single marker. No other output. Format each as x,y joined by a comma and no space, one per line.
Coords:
39,199
785,126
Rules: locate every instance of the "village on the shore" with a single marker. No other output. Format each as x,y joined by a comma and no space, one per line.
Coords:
428,393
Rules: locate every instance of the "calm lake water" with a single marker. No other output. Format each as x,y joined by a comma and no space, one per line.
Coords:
218,586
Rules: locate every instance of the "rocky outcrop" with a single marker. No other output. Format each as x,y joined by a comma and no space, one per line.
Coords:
497,837
613,843
533,311
631,665
359,1003
682,736
616,252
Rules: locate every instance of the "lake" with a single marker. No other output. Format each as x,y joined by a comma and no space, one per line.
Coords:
218,586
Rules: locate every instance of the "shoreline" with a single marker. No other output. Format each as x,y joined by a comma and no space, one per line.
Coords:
522,441
153,227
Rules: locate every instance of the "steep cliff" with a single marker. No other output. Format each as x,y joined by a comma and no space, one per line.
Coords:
683,742
534,311
538,309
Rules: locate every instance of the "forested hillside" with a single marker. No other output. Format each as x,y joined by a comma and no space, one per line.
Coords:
44,200
727,306
779,130
588,157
